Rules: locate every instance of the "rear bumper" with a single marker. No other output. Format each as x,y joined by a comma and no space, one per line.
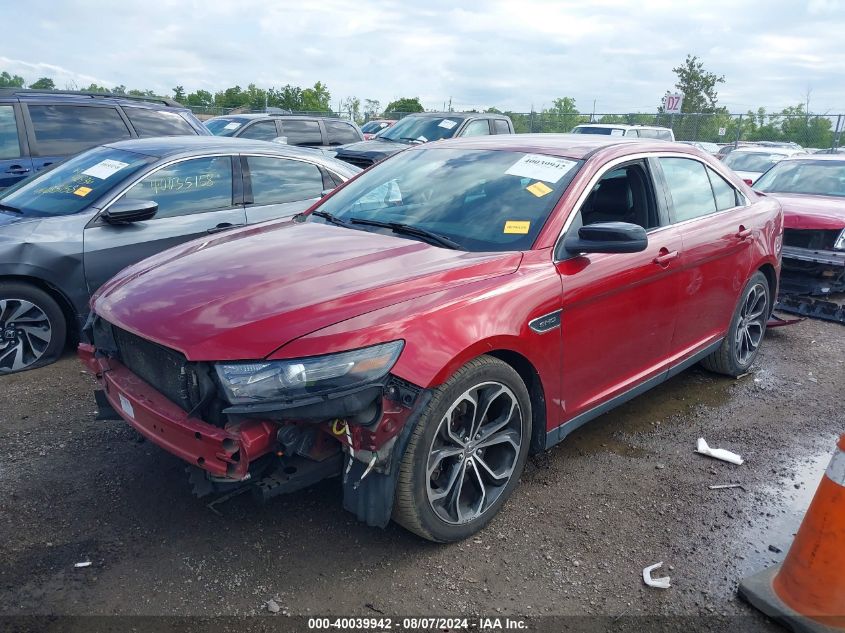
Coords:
222,452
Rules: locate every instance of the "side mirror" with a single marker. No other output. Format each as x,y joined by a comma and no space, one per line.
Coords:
283,140
127,211
608,237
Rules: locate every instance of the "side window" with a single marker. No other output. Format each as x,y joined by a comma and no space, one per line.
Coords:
477,128
302,132
689,186
501,127
665,135
726,196
635,133
261,131
149,122
191,186
9,145
624,194
67,129
341,133
277,180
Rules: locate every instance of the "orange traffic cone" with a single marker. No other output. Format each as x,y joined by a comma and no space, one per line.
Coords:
807,591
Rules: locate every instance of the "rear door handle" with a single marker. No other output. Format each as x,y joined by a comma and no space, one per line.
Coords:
665,256
223,226
17,170
743,233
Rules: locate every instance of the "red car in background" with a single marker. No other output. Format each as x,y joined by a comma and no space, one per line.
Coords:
436,318
371,128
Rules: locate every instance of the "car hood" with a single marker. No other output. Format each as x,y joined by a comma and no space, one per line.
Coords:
375,149
811,212
244,295
14,227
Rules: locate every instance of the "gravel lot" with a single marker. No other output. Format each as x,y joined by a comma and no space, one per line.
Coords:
624,492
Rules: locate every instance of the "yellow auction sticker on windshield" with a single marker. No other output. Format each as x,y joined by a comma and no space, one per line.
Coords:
82,191
539,189
517,227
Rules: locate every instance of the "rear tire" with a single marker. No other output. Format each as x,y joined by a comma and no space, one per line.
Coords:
466,454
745,333
33,329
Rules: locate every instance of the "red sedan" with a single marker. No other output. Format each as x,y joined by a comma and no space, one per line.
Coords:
436,318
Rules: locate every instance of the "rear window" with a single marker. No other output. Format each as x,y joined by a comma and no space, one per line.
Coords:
75,184
67,129
149,122
341,133
607,131
302,132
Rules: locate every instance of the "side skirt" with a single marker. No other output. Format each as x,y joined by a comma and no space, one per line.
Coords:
559,433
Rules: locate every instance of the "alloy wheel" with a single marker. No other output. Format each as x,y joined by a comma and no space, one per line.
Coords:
25,334
474,452
752,323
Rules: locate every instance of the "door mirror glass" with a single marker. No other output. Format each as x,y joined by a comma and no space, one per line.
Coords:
608,237
130,210
283,140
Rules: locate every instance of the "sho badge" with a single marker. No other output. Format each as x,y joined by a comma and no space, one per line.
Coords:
544,323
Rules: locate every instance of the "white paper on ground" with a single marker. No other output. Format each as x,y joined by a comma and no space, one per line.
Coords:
86,563
718,453
658,583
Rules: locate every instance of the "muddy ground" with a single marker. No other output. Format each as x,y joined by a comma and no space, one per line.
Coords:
624,492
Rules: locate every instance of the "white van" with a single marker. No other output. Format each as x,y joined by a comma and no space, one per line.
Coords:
620,129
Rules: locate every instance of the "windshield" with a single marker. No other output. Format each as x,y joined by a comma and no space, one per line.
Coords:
371,127
423,129
73,185
483,200
589,129
224,126
752,161
817,177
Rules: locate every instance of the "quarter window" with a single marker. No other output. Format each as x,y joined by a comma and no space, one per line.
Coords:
302,132
149,122
191,186
689,186
9,146
726,196
501,127
341,133
64,129
261,131
278,180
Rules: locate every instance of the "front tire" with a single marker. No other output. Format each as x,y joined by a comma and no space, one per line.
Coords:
32,328
466,454
745,334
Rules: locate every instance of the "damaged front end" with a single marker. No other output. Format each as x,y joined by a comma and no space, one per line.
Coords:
276,426
813,267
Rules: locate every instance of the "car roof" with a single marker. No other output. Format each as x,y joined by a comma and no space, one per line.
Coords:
576,146
446,115
172,146
835,158
622,125
767,149
251,116
30,94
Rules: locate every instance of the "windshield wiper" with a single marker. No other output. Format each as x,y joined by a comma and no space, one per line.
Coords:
6,207
407,229
331,218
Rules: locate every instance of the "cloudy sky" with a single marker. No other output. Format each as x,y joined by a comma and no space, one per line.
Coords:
511,54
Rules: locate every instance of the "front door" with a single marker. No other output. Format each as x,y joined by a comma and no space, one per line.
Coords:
13,165
279,187
195,199
619,309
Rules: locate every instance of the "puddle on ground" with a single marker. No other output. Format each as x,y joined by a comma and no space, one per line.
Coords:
777,522
668,403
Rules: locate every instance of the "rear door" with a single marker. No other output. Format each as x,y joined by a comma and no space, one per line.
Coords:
277,187
197,197
58,130
718,227
14,164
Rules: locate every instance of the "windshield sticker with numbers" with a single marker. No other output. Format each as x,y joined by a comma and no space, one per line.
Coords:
105,168
540,167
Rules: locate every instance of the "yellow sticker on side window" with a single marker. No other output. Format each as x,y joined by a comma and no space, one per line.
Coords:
539,189
83,191
517,227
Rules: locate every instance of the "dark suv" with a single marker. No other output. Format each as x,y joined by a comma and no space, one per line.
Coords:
39,128
304,131
421,128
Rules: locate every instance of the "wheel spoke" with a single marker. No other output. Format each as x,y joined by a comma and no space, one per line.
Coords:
455,494
437,456
494,475
454,474
37,332
509,437
483,409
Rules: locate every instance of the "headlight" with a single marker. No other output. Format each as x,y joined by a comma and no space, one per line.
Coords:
839,244
259,381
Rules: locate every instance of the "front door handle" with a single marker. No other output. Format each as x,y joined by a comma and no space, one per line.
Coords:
223,226
17,170
743,233
664,256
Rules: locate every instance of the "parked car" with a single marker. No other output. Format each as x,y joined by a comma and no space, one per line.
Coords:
620,129
750,162
303,131
39,128
710,148
66,231
421,128
373,127
811,190
409,334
